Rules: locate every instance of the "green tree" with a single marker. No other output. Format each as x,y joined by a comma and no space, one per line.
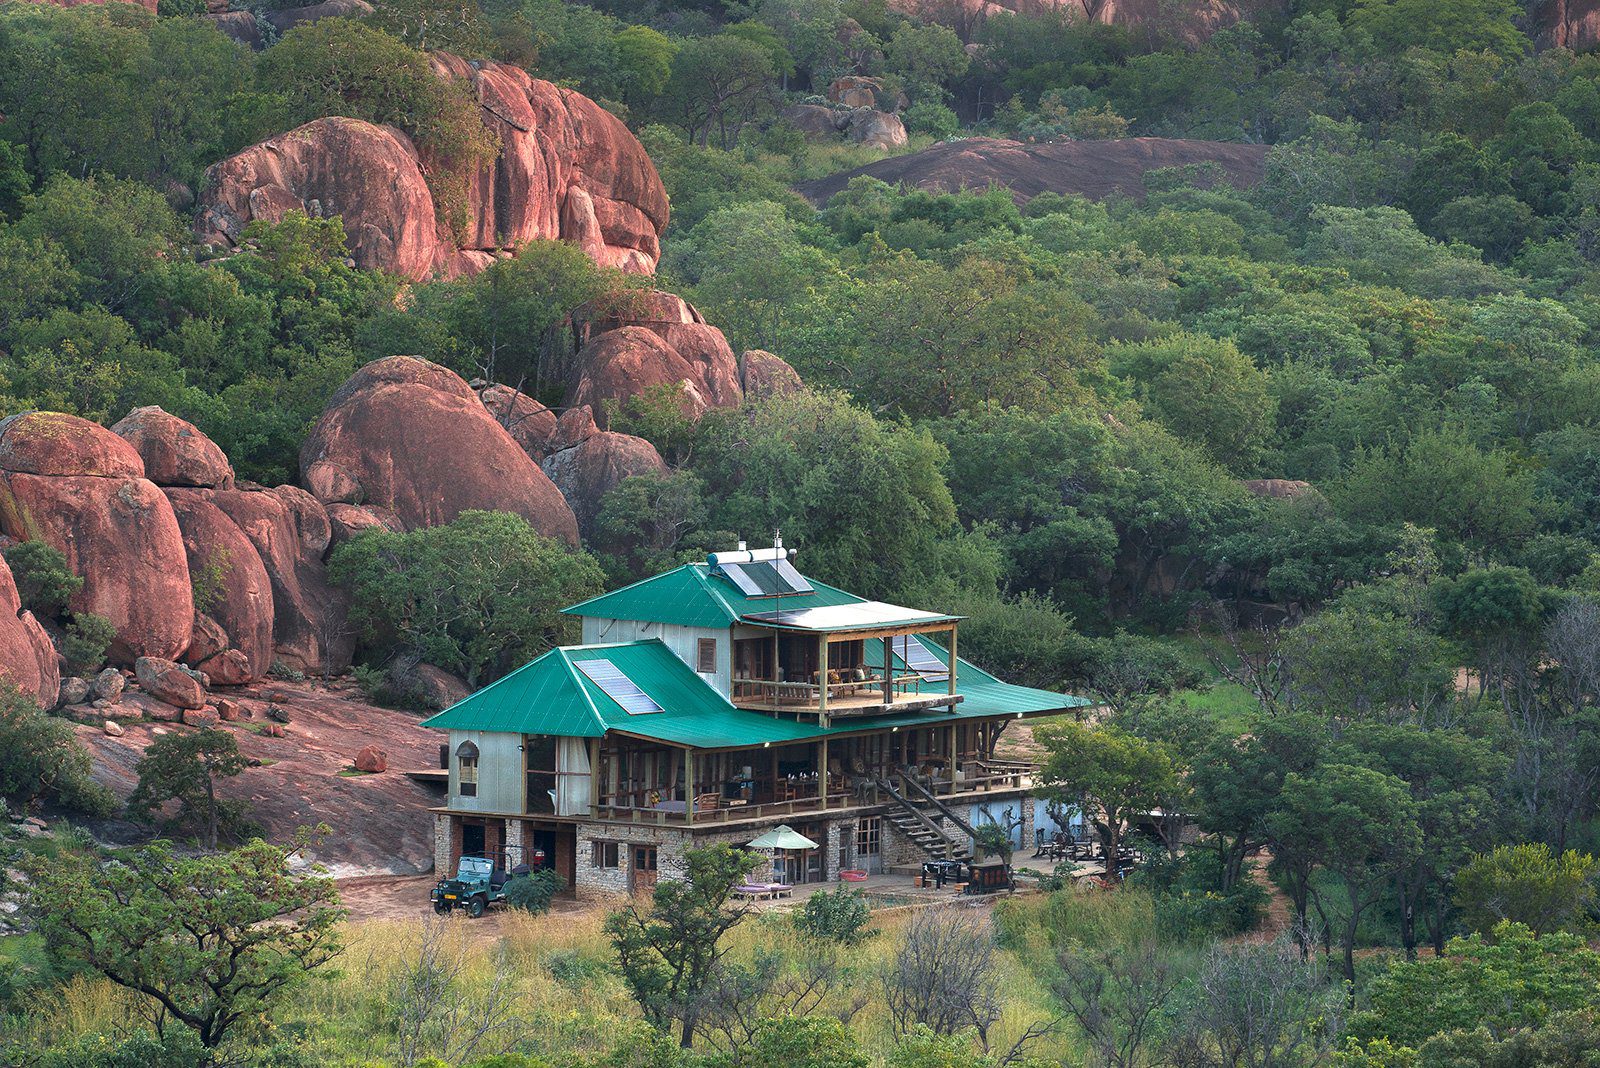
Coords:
1354,822
187,769
41,758
1111,775
863,500
213,943
717,85
928,56
1445,26
1205,391
668,953
453,25
1527,884
480,595
644,63
43,581
801,1041
839,915
1516,980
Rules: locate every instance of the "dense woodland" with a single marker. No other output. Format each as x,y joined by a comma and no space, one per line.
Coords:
1379,695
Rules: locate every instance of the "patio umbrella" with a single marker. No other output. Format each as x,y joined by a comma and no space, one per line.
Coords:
783,836
780,840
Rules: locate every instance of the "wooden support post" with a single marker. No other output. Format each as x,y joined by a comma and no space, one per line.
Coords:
952,663
775,775
822,775
596,783
688,787
888,671
953,756
822,680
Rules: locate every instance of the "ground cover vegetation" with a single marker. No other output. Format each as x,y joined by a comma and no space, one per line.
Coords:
1374,683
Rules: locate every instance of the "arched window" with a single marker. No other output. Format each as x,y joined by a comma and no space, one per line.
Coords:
467,769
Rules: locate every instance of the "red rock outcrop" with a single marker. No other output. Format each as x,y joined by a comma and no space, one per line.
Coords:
1573,24
290,532
1279,488
240,603
589,470
567,169
27,658
81,488
1095,169
173,450
625,362
529,423
368,175
167,681
412,437
763,374
288,18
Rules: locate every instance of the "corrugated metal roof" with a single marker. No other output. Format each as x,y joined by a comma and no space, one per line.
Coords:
551,696
691,596
856,615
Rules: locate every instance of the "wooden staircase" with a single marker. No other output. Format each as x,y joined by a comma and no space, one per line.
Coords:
925,832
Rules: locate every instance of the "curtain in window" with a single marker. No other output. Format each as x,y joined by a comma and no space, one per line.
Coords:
572,777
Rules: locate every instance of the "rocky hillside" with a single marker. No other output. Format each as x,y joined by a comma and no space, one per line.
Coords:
1093,169
567,169
141,508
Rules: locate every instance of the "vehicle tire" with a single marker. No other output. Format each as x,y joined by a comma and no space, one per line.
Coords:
476,906
441,907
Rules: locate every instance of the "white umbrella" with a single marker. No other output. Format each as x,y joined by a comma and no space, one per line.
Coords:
781,839
783,836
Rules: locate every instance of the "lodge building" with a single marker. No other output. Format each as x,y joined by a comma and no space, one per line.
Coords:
718,700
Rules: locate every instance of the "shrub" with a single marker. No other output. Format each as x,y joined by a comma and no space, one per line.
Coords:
478,596
533,893
40,757
839,915
43,581
932,118
84,646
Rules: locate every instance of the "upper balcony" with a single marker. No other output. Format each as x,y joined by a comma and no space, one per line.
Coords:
832,663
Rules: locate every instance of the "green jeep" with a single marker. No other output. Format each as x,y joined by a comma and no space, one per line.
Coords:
479,883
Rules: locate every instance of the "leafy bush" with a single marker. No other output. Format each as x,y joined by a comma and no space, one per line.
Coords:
533,893
179,1048
932,118
478,596
839,915
43,581
84,647
40,757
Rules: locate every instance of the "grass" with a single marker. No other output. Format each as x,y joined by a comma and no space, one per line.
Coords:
569,1000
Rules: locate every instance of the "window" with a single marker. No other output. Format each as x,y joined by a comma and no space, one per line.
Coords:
467,769
607,855
706,656
869,836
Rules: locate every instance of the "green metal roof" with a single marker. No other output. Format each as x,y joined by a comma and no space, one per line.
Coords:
691,596
552,696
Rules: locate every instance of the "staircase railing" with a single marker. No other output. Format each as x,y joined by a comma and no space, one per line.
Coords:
944,810
951,848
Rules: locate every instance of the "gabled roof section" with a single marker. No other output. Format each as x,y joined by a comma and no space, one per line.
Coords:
553,695
693,596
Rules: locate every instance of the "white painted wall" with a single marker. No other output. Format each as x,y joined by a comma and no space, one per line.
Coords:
683,641
501,782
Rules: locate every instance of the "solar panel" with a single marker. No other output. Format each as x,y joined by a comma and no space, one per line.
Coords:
766,578
617,686
919,659
747,585
795,581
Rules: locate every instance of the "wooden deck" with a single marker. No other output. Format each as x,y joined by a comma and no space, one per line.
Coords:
865,703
